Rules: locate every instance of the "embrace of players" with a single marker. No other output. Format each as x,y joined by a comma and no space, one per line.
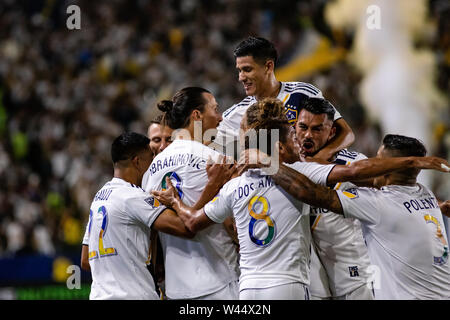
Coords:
180,214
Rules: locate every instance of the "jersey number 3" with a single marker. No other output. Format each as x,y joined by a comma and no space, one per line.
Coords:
440,260
102,251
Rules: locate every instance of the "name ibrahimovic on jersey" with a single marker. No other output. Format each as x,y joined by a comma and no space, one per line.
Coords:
186,159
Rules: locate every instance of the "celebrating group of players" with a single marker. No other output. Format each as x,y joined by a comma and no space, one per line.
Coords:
327,223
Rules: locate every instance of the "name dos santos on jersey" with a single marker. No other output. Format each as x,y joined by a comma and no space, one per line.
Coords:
244,191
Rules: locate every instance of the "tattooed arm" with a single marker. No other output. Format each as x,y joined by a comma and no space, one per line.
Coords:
300,187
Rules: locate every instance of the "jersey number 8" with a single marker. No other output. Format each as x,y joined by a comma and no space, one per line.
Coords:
262,205
177,179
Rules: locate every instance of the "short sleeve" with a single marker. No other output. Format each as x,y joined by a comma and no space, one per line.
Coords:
317,173
143,208
337,115
219,208
86,233
361,204
361,156
226,134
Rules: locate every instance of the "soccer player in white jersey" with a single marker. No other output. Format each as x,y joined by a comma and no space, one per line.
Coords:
338,243
273,229
122,216
255,61
401,222
160,135
205,267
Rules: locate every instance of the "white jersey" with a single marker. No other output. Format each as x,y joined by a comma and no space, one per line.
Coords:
292,94
118,234
406,239
339,242
272,226
208,262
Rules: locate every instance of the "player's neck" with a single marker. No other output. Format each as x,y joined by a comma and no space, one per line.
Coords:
128,175
191,133
401,181
271,91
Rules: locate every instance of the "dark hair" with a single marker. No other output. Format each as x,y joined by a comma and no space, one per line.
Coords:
259,48
319,106
267,114
127,145
178,110
404,146
160,120
157,120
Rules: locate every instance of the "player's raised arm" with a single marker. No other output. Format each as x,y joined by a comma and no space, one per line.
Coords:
300,187
219,173
344,138
374,167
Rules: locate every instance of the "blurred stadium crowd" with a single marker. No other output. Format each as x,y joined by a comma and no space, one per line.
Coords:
64,95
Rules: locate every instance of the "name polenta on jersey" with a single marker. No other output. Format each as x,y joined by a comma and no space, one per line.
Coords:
421,204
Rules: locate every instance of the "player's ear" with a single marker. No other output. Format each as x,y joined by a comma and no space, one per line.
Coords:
270,65
196,115
135,161
332,132
279,147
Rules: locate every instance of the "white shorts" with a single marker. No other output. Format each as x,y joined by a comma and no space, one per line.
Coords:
290,291
319,286
362,293
229,292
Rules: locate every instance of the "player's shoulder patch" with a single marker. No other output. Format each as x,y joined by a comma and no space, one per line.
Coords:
351,193
151,201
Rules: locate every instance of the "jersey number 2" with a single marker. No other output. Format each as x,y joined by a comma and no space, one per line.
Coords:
102,251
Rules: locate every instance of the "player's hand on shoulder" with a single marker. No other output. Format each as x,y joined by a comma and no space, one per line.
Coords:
220,171
251,159
445,208
167,197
